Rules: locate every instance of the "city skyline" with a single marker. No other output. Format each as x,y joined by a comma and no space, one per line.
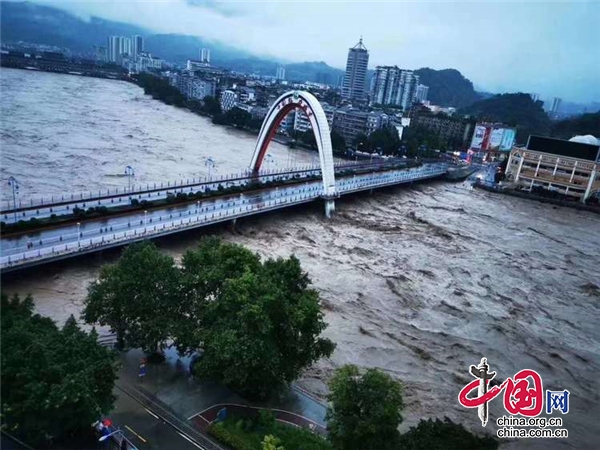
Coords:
552,49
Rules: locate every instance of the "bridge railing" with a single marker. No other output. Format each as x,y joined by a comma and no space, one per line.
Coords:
44,202
169,225
71,243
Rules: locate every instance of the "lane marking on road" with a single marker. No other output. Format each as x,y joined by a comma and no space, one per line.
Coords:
152,414
190,441
137,435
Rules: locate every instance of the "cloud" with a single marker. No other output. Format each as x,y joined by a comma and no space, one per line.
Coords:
231,9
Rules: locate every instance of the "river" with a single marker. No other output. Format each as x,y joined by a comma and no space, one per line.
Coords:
419,281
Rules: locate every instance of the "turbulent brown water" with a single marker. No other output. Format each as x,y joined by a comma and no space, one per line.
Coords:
421,282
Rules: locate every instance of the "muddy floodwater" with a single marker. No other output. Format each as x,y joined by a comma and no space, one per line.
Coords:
422,282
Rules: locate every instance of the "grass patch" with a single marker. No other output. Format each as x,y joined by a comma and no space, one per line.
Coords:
241,433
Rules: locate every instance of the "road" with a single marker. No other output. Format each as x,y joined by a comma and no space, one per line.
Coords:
65,204
145,429
105,232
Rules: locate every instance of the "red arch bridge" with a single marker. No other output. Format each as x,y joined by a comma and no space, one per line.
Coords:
175,207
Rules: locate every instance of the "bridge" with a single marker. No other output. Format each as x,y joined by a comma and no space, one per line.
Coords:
131,214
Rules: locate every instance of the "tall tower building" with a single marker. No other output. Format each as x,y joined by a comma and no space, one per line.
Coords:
355,79
421,93
535,97
205,55
280,75
556,105
138,45
114,48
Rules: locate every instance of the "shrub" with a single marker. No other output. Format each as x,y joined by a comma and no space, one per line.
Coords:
229,439
135,202
446,435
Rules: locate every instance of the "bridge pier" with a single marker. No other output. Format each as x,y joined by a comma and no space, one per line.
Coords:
232,224
329,207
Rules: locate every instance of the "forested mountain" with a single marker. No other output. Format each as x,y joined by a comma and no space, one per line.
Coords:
448,87
581,125
36,24
515,110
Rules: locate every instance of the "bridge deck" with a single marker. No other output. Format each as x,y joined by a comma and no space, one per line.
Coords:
65,241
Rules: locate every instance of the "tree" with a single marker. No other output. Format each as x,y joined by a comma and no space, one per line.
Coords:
365,410
580,125
446,435
212,105
260,322
204,271
308,138
384,140
55,382
360,142
270,442
134,297
338,142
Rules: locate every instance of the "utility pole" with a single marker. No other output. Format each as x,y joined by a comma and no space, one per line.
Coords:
130,174
14,184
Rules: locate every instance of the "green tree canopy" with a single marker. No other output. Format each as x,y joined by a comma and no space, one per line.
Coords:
446,435
55,382
204,271
365,410
338,143
212,105
134,297
259,322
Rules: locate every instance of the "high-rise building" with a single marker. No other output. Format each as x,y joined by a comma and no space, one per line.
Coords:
355,78
421,93
114,46
394,86
138,46
205,55
556,105
126,46
118,46
280,73
535,97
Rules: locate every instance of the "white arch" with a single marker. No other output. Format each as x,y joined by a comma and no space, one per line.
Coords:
313,109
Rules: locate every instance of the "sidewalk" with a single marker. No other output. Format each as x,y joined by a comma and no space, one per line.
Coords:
171,384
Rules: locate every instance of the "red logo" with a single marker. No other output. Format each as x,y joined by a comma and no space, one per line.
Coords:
519,397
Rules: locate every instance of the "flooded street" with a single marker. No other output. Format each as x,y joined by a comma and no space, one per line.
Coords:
419,281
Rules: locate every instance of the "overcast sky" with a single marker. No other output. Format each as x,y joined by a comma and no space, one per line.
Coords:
546,47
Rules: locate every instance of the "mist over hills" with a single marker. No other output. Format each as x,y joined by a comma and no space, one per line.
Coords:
38,24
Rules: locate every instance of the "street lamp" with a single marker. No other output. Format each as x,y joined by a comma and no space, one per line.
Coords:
78,234
130,174
14,184
210,163
145,220
106,436
269,159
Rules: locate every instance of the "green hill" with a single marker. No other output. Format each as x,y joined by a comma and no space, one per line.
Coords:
581,125
517,110
448,87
